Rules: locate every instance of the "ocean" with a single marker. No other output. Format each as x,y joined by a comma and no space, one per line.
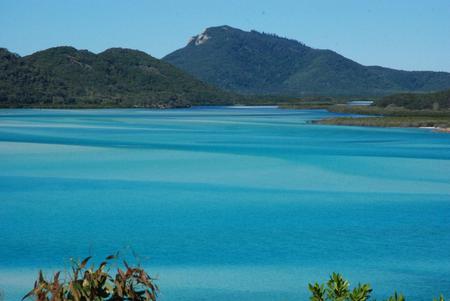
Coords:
225,203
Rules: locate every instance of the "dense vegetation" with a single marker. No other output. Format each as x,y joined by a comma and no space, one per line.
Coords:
417,101
134,284
391,121
67,77
400,110
258,63
267,68
386,111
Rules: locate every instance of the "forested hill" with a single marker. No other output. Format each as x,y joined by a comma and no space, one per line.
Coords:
259,63
67,77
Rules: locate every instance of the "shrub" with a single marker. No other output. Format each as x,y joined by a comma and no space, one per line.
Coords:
96,284
338,289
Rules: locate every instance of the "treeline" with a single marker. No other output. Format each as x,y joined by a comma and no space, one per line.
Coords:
442,123
417,101
67,77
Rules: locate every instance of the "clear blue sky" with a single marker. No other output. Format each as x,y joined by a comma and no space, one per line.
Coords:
404,34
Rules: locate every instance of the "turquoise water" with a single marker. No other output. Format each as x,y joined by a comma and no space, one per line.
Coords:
225,203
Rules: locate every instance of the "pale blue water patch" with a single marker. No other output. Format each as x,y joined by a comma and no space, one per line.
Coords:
223,202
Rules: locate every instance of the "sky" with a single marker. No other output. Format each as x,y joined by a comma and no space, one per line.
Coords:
401,34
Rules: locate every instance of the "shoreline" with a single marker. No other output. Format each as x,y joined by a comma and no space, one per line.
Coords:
435,121
395,117
442,130
348,121
441,125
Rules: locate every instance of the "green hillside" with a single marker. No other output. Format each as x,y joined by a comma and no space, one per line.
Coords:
259,63
65,76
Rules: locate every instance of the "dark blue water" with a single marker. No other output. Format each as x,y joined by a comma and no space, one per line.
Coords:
225,203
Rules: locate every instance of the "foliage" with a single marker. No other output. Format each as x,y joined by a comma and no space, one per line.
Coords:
396,297
419,101
96,284
338,289
388,111
67,77
389,121
390,116
259,63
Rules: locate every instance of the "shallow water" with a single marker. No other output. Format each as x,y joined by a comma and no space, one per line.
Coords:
225,203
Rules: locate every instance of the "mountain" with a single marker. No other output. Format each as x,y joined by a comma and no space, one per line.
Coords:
259,63
65,76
